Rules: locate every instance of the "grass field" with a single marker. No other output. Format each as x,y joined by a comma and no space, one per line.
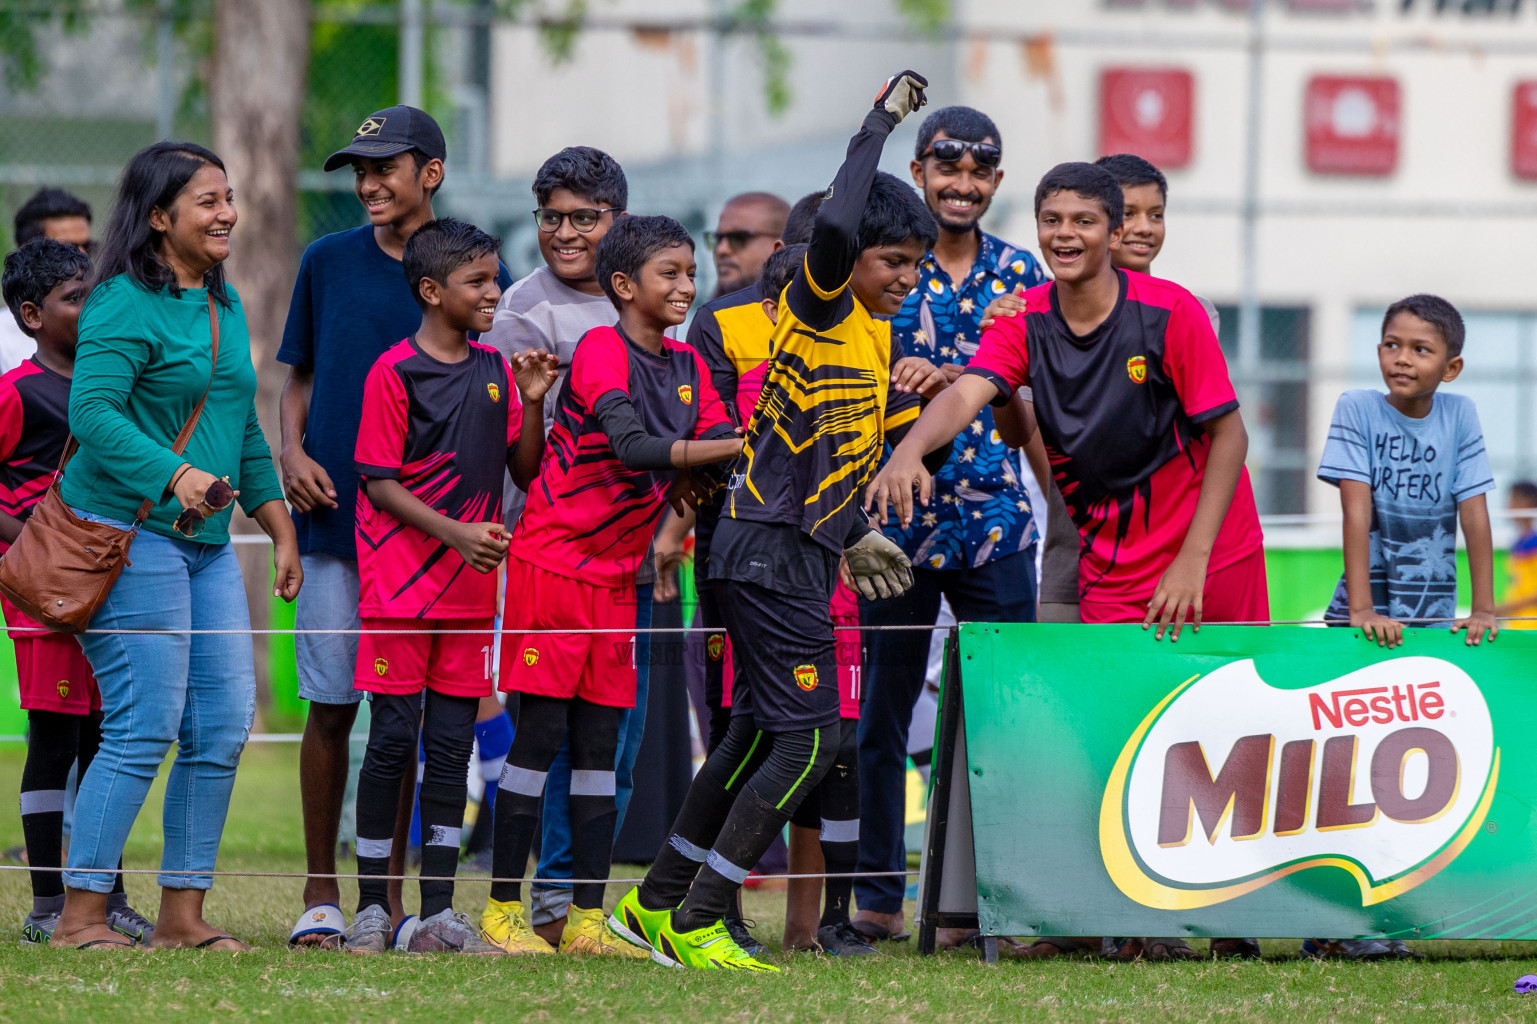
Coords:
1463,981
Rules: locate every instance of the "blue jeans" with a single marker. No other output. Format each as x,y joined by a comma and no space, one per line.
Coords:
895,665
198,691
549,902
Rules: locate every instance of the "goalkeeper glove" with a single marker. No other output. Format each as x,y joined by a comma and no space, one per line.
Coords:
880,568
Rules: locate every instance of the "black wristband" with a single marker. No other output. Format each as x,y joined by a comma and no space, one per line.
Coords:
171,489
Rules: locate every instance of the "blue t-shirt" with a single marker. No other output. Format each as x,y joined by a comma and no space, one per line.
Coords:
350,304
1419,470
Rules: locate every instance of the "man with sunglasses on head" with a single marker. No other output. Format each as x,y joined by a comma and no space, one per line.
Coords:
975,543
579,193
746,234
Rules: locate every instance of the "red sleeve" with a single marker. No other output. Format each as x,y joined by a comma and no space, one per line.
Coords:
1193,359
748,388
712,411
514,407
10,418
1002,356
381,447
599,366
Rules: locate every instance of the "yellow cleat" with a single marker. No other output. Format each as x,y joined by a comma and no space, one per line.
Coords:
587,933
506,925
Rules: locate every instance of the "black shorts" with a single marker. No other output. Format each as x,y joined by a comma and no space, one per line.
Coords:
773,585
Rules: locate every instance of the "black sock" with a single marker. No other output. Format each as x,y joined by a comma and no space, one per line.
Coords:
594,733
393,729
749,829
796,763
442,818
704,811
377,801
448,739
52,743
541,731
838,797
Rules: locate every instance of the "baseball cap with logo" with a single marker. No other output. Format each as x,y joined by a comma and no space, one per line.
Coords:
391,131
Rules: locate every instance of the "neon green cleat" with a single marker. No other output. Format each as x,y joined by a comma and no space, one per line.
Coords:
639,926
706,949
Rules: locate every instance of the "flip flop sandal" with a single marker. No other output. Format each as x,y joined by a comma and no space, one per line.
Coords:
1169,949
219,938
325,920
874,931
98,943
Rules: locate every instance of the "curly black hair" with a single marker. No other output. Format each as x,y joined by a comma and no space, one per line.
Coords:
36,269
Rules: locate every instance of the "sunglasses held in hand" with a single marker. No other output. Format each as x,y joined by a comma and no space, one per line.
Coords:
216,499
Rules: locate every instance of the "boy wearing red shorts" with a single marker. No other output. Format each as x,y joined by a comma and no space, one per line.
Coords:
440,424
44,287
1139,417
634,407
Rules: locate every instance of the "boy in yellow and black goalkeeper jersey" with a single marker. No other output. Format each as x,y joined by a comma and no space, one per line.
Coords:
831,393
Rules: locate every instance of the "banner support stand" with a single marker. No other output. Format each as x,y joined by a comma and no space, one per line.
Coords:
948,878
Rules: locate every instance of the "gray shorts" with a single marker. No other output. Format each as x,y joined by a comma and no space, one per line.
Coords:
328,600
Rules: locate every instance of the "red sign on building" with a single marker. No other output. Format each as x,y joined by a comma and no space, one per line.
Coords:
1149,112
1352,124
1523,129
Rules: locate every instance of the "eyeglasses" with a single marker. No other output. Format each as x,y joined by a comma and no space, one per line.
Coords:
950,151
737,240
216,499
583,220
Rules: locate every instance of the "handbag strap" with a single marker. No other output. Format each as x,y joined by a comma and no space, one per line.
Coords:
182,439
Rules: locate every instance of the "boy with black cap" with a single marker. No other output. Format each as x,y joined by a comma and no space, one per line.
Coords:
351,302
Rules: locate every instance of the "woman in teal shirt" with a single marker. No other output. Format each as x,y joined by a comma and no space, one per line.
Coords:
144,360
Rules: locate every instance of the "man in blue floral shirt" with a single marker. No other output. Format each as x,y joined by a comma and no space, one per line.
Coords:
975,543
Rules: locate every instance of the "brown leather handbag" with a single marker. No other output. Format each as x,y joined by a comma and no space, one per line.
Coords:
61,568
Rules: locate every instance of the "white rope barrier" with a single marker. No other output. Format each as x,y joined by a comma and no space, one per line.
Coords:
419,878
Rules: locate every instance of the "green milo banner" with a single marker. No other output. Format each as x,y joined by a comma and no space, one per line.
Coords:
1274,781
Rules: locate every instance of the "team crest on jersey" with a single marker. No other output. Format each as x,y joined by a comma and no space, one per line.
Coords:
806,677
686,393
530,656
715,646
495,392
381,666
63,688
372,126
1136,369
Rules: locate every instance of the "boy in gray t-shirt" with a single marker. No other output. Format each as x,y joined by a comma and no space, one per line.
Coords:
1408,464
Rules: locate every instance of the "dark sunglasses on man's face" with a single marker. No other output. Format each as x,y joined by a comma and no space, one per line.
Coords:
583,220
736,240
950,151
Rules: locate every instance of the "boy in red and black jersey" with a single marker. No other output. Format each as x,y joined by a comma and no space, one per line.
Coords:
430,537
1139,418
634,408
44,288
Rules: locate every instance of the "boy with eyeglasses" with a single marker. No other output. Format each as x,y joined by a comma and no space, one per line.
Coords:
580,192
